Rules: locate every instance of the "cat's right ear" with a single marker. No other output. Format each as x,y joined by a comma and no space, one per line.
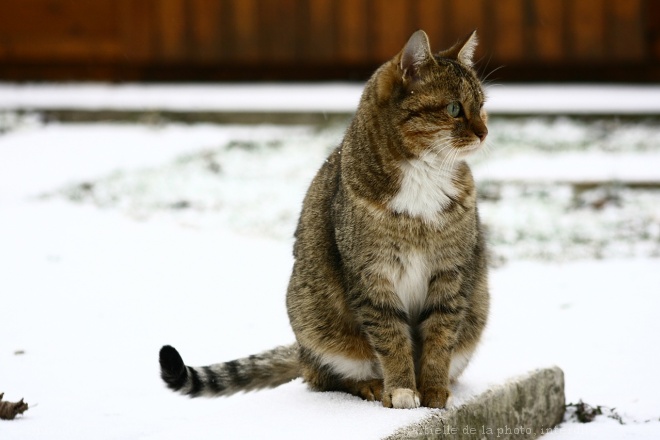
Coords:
463,51
414,56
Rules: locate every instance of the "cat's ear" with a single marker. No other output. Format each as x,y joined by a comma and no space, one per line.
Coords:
415,55
463,51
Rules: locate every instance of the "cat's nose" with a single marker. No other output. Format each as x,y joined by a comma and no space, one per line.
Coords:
479,128
481,133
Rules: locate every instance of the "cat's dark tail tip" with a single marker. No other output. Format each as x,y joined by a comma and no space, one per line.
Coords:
172,369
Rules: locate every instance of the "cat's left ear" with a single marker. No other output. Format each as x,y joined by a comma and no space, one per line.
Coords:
415,55
463,51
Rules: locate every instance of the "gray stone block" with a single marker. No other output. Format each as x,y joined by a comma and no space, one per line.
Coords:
524,407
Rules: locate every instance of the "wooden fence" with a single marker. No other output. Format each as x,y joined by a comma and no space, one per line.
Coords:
198,40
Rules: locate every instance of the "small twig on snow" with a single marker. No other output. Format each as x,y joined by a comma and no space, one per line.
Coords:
9,410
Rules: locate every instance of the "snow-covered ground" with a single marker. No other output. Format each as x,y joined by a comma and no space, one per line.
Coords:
116,239
331,97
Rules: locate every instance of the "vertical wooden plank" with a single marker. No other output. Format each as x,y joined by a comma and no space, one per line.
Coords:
485,31
58,18
319,41
467,16
508,37
548,30
61,30
652,27
392,27
625,27
171,30
431,16
244,46
205,23
353,32
137,30
278,24
587,29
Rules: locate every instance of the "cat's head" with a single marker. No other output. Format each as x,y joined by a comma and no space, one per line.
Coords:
436,99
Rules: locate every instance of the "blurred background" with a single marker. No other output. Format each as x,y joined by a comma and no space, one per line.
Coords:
293,40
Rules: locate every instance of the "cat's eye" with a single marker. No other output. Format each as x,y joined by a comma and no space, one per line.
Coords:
454,109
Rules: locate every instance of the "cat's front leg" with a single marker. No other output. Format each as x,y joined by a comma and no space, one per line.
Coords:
388,331
439,327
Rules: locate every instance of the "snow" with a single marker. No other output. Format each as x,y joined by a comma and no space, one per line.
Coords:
578,167
82,152
339,97
574,99
327,97
116,239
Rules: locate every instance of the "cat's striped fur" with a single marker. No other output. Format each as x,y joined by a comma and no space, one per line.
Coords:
265,370
389,293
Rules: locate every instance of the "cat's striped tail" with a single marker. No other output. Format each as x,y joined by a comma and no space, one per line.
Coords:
265,370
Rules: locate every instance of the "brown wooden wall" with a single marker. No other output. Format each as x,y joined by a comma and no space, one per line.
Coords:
197,40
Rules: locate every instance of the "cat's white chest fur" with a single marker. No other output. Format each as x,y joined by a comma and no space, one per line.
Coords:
426,187
411,283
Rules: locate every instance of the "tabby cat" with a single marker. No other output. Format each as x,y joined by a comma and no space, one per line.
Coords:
389,293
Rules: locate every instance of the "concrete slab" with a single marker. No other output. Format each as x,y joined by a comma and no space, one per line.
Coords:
524,407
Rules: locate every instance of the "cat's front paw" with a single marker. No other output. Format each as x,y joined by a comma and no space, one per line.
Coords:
435,397
401,398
